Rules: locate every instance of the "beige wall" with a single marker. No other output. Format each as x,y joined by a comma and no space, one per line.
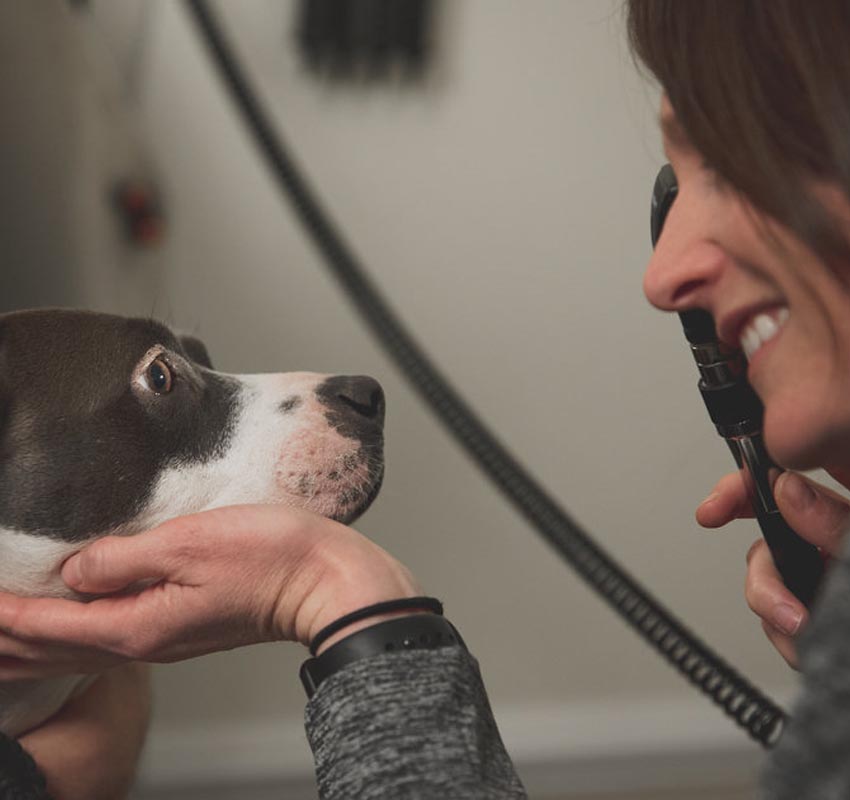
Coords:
65,138
503,209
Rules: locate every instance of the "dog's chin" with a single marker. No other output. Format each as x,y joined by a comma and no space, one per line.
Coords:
347,514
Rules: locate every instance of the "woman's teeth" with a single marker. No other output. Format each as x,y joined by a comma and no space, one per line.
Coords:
761,329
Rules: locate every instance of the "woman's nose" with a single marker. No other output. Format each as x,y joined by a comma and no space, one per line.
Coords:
685,265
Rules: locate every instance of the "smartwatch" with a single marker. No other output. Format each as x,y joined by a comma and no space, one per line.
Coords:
414,632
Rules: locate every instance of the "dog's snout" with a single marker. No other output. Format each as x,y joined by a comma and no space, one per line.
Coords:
354,393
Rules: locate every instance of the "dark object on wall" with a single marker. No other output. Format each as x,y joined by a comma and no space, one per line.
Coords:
365,39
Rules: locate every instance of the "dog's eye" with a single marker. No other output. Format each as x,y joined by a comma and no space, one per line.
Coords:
159,377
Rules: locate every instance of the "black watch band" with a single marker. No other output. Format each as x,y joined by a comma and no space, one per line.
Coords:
415,632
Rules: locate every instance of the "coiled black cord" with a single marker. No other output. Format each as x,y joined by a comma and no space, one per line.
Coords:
763,719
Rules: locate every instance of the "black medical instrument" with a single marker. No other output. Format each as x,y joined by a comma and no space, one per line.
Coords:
737,412
751,709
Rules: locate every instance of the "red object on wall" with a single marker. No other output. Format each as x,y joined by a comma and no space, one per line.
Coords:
140,211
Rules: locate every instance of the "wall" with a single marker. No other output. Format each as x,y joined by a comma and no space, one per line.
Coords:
503,209
67,137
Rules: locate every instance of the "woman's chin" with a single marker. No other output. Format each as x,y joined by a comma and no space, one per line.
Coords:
802,437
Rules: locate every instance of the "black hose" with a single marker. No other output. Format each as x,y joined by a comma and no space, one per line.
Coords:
751,709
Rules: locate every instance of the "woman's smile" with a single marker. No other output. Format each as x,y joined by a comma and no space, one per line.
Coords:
761,329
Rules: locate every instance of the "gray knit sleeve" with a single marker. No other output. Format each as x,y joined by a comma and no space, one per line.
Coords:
410,725
812,760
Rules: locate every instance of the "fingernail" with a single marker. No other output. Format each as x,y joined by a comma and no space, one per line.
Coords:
710,499
71,573
795,491
787,618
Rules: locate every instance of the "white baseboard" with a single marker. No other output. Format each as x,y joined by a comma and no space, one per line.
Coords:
649,744
652,744
244,751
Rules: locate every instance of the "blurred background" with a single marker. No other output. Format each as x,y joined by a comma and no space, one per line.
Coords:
496,184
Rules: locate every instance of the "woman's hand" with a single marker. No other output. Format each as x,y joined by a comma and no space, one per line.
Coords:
90,749
816,513
210,581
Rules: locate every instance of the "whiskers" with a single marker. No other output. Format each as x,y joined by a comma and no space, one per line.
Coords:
348,486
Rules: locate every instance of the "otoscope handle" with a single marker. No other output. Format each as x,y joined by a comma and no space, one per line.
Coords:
799,563
736,412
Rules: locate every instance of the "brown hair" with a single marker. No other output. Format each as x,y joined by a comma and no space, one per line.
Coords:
762,89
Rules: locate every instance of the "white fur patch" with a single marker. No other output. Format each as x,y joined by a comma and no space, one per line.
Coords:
293,458
30,564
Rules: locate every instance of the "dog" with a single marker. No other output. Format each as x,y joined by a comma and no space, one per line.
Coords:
112,425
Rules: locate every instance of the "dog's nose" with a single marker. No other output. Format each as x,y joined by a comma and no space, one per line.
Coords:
363,395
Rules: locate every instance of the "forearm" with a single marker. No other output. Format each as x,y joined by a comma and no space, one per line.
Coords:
414,725
90,749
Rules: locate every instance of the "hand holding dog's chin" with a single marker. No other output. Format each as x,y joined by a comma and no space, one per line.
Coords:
220,579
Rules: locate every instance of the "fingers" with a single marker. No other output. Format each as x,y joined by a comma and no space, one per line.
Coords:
817,514
171,550
102,623
785,645
111,630
783,615
111,564
115,562
25,660
728,500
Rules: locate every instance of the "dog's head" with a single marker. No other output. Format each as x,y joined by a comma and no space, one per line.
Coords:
110,424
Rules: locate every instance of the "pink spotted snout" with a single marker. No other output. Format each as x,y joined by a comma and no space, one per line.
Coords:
330,458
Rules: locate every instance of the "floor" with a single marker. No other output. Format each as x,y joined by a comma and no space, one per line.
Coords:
308,793
728,793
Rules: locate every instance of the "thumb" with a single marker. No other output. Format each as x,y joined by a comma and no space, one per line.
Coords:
818,514
111,564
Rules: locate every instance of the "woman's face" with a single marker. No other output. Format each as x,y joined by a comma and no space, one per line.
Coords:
770,296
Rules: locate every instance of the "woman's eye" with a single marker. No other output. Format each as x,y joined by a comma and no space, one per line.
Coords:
159,377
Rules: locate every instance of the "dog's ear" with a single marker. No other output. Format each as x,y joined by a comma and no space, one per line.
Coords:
196,350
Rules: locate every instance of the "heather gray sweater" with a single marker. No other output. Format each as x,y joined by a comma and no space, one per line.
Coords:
812,760
410,725
417,725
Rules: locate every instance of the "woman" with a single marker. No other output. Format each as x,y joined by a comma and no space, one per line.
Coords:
756,122
759,234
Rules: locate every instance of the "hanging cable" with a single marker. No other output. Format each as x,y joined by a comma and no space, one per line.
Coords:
751,709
